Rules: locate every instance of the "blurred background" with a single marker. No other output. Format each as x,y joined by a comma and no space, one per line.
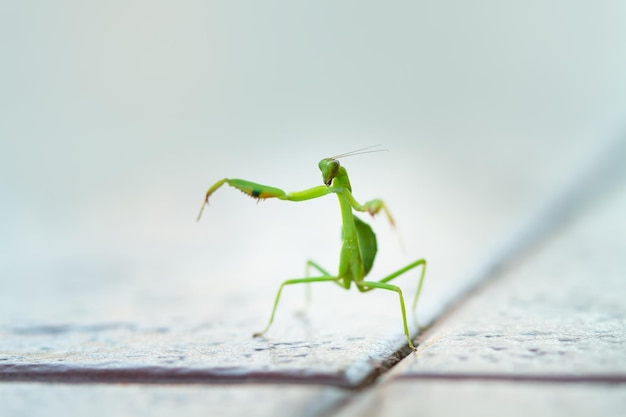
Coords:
117,116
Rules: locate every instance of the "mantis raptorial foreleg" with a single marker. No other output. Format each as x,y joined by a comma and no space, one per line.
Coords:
260,191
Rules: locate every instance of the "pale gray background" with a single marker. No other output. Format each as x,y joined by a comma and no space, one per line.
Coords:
115,117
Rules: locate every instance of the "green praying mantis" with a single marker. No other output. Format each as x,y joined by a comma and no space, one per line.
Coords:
358,248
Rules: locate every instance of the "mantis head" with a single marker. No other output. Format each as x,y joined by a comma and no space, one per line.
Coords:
329,168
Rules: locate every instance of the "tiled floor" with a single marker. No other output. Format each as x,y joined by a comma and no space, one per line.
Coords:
545,333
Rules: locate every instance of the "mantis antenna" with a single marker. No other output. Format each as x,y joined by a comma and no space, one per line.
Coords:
359,152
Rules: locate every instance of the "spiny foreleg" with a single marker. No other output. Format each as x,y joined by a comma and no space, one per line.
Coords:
253,189
260,192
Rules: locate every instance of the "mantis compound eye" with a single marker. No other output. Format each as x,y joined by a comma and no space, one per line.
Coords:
329,168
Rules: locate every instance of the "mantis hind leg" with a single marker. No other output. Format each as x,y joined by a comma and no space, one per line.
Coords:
383,284
307,280
311,264
420,262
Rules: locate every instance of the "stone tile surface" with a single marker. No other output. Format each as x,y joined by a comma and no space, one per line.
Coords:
122,352
475,398
34,399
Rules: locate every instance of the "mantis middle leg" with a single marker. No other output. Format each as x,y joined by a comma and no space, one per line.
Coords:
291,282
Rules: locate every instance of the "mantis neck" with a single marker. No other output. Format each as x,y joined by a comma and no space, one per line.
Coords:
342,182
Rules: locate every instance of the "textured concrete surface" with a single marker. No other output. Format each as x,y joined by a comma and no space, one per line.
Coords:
34,399
475,398
128,354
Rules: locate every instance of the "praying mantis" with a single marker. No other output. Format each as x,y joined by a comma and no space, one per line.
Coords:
359,246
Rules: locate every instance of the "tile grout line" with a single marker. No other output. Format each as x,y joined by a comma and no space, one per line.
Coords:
554,378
